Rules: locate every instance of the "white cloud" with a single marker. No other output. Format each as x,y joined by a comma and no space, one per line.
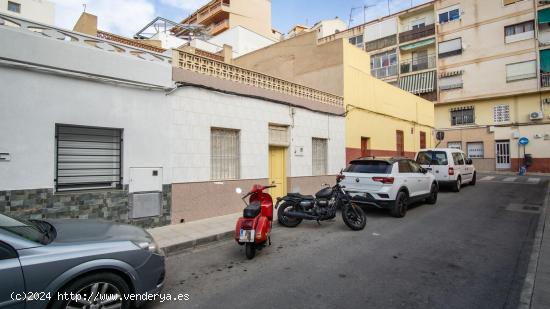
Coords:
124,17
379,8
187,5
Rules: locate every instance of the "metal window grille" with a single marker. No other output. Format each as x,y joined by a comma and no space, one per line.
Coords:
462,116
88,158
224,154
319,155
501,113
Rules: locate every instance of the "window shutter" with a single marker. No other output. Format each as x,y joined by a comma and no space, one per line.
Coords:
475,150
451,82
521,70
450,46
88,158
224,154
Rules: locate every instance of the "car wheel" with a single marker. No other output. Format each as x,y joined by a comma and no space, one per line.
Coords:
100,290
473,182
399,209
457,185
433,194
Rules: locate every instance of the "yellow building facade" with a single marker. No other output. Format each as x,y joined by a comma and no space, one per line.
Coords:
381,120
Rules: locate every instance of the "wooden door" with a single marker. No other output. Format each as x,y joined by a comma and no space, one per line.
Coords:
277,171
400,143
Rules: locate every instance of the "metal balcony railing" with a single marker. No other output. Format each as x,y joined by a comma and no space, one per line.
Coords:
381,43
384,71
418,64
417,33
545,79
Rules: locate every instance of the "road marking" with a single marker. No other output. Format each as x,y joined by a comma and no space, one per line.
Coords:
533,180
509,179
487,178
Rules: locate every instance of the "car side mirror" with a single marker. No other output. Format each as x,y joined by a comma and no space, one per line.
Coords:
469,161
423,170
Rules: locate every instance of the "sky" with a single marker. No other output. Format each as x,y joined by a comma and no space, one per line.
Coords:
126,17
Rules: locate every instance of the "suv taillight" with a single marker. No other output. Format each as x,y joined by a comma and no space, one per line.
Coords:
384,180
451,171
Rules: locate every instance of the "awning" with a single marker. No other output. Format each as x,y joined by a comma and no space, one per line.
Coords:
544,16
418,44
418,83
545,61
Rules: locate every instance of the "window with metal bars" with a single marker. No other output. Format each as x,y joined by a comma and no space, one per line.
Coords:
87,158
224,154
462,116
319,156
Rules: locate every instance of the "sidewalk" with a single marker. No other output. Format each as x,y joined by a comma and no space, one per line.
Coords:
178,237
536,290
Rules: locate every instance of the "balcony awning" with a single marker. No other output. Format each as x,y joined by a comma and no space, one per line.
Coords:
544,16
545,61
418,44
418,83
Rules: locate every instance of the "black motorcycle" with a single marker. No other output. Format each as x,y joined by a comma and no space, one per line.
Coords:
296,207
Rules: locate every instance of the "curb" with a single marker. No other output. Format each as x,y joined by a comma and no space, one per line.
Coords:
526,295
190,244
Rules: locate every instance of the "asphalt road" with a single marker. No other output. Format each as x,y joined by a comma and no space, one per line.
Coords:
470,250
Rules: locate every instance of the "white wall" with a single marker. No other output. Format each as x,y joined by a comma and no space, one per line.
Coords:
30,47
329,27
242,40
31,103
197,110
168,41
41,11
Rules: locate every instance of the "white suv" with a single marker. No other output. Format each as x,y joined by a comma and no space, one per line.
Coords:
450,166
391,183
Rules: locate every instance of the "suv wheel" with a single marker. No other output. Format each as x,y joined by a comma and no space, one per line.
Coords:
473,182
433,194
457,185
399,209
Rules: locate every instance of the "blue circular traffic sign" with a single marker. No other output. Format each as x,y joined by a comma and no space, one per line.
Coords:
523,141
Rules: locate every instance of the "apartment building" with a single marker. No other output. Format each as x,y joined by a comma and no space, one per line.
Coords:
42,11
221,15
109,130
381,120
484,65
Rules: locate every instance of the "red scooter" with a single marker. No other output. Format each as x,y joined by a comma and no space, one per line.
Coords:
254,227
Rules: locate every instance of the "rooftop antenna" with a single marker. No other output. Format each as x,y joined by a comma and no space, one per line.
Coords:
389,10
364,7
84,6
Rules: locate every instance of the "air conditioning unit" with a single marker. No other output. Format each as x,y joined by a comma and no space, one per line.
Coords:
536,116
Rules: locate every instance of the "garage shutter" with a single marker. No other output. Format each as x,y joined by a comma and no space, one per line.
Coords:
319,155
88,158
475,150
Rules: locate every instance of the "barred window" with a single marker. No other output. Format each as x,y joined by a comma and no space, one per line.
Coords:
88,158
501,113
224,154
319,156
462,116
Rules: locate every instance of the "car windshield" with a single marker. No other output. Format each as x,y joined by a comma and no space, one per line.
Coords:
369,167
432,158
34,230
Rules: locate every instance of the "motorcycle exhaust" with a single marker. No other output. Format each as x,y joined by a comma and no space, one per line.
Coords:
300,215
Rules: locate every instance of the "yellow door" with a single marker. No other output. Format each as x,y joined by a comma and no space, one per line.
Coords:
277,171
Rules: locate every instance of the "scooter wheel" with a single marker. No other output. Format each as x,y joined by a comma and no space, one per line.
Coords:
250,251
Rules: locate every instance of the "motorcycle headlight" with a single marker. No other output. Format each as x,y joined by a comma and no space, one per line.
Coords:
150,246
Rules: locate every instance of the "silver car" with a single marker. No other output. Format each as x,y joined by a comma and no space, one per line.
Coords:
76,264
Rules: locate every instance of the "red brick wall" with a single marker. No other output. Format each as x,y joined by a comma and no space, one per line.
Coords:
540,165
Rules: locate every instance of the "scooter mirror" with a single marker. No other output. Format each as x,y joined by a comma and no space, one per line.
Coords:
238,190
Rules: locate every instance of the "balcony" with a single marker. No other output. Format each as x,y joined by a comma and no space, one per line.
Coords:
416,34
381,43
384,71
418,64
205,14
545,80
219,27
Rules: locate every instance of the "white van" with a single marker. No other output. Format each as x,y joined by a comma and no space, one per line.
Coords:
450,166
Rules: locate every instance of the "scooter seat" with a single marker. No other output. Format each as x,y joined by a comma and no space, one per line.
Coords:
252,210
300,196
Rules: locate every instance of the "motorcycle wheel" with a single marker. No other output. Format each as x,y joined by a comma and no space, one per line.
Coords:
354,217
250,251
284,220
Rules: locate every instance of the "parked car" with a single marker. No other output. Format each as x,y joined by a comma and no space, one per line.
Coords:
43,259
391,183
450,166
